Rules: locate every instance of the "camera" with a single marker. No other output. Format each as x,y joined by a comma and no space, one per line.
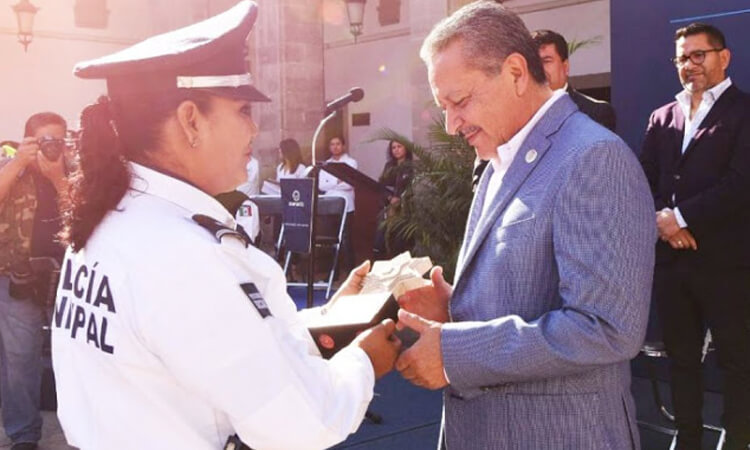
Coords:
51,147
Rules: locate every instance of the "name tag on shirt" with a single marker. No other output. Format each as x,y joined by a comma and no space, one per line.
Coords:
256,299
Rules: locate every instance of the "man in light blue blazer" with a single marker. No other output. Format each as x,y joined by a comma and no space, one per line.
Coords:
551,293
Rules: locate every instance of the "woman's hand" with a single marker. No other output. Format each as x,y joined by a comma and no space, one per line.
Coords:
353,283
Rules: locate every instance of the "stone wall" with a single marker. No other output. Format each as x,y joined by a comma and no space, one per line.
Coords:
423,106
286,59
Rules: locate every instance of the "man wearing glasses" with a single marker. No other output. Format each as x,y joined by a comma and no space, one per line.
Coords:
696,155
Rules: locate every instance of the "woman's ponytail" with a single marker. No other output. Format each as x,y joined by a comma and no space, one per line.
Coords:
102,178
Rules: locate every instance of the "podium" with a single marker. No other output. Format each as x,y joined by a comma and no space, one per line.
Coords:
369,199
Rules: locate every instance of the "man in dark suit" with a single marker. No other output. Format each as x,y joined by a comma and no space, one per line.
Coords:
553,49
696,156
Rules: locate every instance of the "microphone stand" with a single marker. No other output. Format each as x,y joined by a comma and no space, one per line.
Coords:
314,172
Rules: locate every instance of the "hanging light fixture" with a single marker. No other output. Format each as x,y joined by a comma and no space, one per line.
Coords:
355,9
25,13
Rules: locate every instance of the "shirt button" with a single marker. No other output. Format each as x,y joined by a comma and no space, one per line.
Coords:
676,177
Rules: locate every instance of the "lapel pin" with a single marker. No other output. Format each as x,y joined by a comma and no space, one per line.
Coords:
531,156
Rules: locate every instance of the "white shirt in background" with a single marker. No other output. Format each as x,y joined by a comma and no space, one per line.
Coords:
252,185
707,102
333,186
282,172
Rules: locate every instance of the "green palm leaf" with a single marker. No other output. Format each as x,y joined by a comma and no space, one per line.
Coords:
435,206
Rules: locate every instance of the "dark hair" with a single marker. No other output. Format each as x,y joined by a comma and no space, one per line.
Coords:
715,36
339,137
546,37
389,153
112,133
489,33
40,120
292,157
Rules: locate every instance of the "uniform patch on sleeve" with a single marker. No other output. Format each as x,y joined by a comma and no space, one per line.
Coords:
256,299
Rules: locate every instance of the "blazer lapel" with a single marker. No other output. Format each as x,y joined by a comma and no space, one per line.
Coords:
678,119
537,142
717,111
475,212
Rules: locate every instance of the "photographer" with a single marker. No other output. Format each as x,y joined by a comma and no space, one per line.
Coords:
30,184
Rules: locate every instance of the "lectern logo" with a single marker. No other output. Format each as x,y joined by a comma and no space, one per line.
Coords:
295,199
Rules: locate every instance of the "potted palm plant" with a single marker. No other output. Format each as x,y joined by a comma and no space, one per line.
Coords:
433,209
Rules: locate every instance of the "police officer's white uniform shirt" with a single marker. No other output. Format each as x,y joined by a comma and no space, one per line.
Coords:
156,346
333,186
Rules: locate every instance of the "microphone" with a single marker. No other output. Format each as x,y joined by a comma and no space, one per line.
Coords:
355,94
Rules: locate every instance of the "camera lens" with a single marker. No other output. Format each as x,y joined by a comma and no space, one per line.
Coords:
51,148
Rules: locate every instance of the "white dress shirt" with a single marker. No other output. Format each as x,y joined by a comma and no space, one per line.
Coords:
333,186
692,123
506,152
707,102
155,345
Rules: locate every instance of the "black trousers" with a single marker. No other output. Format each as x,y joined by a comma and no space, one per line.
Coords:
347,249
346,255
689,300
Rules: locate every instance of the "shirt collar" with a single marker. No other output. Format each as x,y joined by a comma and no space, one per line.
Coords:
343,158
179,193
506,152
710,96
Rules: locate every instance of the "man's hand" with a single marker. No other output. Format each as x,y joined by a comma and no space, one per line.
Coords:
683,240
26,153
353,283
429,302
666,223
54,171
380,345
422,363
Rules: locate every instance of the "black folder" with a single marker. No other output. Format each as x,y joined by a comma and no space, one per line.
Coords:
357,179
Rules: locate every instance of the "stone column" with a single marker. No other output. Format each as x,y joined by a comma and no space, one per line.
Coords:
423,106
286,60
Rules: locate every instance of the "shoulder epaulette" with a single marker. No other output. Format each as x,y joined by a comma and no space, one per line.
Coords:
219,230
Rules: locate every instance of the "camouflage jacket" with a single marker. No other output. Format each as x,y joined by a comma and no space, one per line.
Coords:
16,225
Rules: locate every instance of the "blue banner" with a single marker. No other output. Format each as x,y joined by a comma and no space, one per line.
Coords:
296,196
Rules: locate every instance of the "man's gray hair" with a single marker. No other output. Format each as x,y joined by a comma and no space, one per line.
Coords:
489,33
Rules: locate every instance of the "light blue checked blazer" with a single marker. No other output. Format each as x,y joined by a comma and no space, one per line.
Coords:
550,301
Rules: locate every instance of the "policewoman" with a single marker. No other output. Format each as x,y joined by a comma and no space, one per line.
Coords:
169,331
